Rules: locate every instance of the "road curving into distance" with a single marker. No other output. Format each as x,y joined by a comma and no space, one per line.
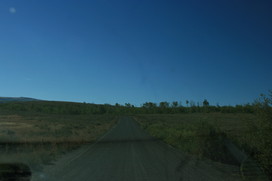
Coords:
128,153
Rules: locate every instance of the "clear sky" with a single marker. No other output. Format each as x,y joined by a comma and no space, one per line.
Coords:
108,51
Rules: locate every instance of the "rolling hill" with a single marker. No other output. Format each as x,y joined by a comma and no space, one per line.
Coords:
16,99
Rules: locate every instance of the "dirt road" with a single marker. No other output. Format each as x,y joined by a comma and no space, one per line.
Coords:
127,153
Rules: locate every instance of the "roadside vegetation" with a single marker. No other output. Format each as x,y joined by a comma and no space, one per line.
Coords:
259,144
204,134
195,128
199,134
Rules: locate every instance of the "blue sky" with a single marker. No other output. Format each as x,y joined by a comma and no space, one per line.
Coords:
109,51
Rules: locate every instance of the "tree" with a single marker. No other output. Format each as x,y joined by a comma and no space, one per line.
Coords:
187,102
192,104
117,105
128,105
205,103
149,105
175,104
164,104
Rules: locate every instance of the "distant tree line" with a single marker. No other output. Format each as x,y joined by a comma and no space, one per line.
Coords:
164,107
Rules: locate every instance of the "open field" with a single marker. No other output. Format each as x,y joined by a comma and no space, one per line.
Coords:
53,128
36,139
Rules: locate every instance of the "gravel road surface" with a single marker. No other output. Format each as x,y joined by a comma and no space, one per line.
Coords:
128,153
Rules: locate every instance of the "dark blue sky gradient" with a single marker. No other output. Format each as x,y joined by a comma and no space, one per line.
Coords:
109,51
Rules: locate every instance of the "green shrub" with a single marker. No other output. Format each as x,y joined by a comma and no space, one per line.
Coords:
262,139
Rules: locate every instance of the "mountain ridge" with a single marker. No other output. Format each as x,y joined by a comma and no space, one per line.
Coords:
16,99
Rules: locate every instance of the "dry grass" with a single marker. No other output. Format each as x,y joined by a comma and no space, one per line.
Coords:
53,128
37,139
